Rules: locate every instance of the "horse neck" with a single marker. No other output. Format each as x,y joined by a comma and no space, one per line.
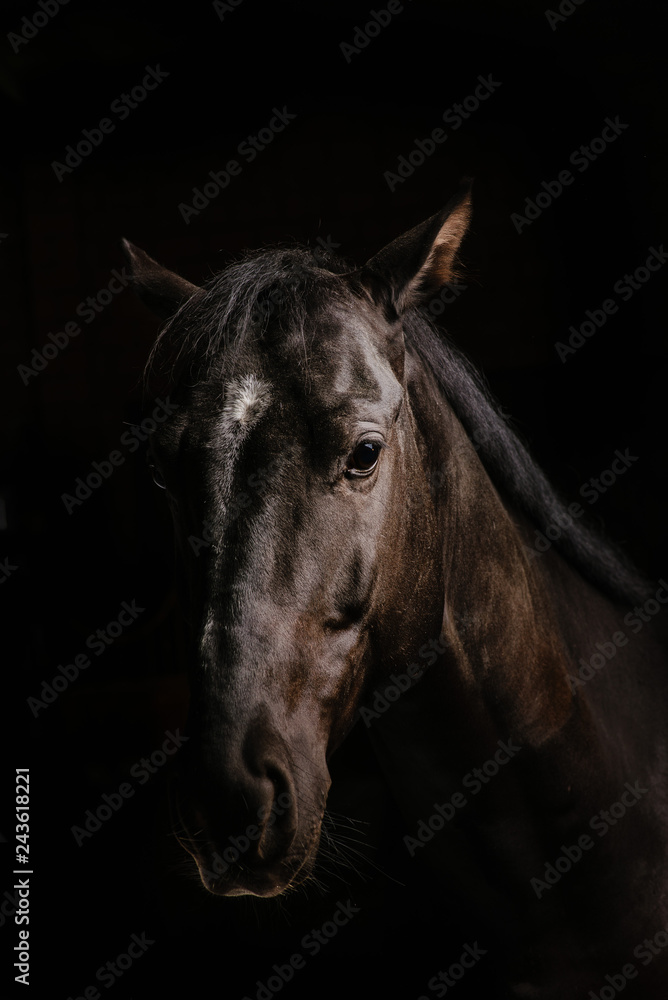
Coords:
501,628
496,713
521,624
514,625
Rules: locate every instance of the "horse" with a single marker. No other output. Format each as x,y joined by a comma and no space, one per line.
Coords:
365,541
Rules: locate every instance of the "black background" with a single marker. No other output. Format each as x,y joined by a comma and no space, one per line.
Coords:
323,176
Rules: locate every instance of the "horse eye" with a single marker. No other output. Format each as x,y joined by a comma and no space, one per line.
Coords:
364,458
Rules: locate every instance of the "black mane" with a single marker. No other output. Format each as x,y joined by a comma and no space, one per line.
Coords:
513,471
236,306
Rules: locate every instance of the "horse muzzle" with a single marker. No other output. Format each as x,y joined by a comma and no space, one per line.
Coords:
253,828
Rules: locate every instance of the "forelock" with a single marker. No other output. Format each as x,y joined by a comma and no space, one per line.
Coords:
266,290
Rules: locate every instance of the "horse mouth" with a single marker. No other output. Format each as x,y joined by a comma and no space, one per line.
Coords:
254,883
223,875
268,856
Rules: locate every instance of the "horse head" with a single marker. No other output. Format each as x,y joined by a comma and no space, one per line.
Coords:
300,494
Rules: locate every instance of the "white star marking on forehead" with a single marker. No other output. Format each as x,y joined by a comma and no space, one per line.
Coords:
245,401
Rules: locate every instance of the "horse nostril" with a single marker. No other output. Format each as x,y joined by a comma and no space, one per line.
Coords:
279,780
338,624
347,616
279,819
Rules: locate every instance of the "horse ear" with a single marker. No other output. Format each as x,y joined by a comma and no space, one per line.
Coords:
159,289
422,260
